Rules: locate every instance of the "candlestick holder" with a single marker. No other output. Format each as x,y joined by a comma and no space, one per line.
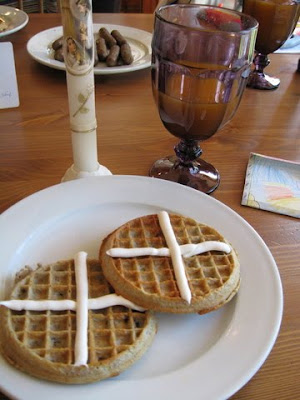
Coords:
78,47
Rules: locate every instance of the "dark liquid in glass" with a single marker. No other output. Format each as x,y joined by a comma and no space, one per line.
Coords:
195,101
277,20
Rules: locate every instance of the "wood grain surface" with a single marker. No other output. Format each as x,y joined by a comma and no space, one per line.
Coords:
35,152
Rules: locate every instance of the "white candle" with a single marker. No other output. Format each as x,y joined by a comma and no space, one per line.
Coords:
79,60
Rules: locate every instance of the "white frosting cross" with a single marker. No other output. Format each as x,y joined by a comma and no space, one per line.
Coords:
174,250
81,306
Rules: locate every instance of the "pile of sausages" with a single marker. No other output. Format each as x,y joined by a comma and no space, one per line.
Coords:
111,48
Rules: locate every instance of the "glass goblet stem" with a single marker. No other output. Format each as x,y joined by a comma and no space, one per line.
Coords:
260,61
258,79
187,150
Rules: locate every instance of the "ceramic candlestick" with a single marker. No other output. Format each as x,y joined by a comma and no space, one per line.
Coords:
79,60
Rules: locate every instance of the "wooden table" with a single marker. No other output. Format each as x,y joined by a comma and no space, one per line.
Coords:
35,151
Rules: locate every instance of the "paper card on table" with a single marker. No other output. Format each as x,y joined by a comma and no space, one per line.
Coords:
272,184
9,94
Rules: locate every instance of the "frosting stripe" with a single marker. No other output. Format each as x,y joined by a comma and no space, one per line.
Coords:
138,252
191,249
96,303
39,305
186,250
81,338
175,253
111,300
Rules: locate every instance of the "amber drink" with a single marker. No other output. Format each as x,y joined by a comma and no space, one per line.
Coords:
194,103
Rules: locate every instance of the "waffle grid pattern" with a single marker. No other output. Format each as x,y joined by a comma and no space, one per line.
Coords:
155,275
51,334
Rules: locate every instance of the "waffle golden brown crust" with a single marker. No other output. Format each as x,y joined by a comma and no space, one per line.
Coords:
149,281
41,343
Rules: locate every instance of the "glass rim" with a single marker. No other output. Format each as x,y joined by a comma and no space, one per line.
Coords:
254,23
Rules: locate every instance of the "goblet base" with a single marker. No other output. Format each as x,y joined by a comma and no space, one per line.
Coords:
258,80
197,174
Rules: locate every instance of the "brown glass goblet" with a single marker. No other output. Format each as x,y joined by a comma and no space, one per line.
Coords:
277,20
201,57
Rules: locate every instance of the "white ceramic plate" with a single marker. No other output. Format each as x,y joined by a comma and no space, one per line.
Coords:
198,357
15,19
40,48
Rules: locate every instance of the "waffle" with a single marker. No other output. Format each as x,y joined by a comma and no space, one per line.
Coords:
41,343
213,277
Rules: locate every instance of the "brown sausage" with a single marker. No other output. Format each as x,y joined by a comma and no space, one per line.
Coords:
112,58
119,38
126,54
57,43
102,49
109,39
59,54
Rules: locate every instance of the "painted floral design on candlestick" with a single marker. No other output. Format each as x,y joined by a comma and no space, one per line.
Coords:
82,99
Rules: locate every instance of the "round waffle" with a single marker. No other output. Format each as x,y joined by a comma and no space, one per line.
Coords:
213,277
41,343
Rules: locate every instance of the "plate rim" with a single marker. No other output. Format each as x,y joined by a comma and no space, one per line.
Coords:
18,27
97,70
185,192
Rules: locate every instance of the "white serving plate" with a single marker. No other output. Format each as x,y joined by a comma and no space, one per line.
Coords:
199,357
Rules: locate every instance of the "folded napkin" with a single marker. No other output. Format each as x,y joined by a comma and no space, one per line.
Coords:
272,184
